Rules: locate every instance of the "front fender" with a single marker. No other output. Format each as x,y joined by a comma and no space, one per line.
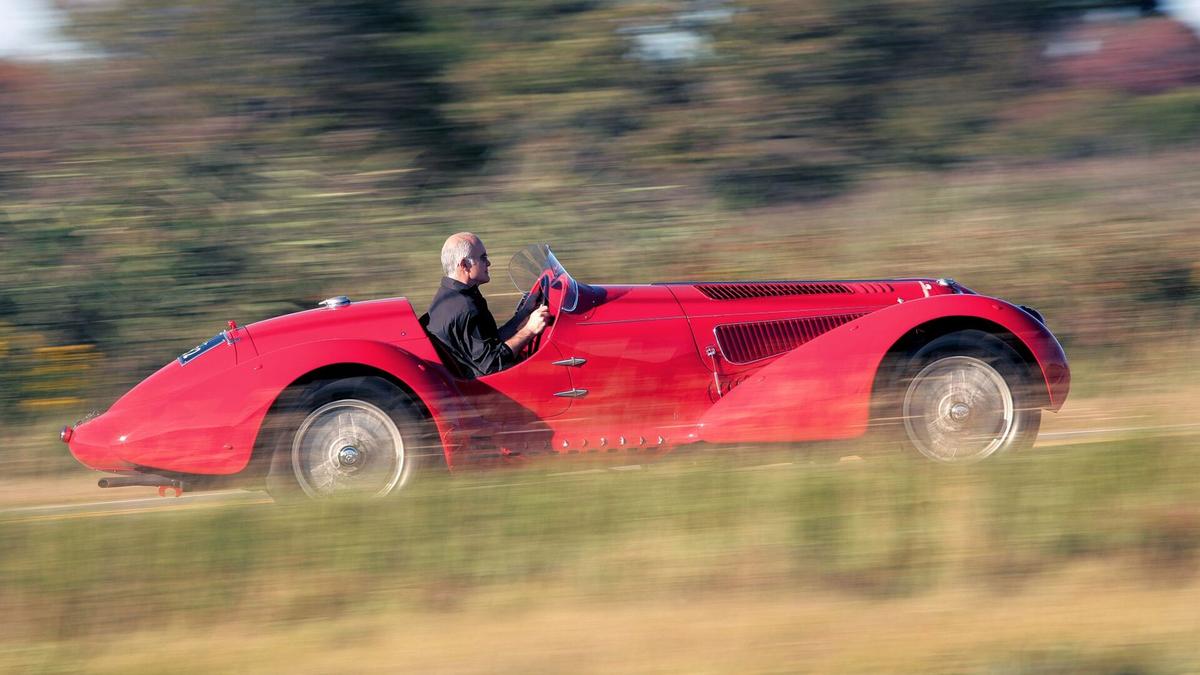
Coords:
822,389
212,427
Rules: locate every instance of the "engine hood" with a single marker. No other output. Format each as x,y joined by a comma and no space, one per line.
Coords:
748,323
726,299
753,298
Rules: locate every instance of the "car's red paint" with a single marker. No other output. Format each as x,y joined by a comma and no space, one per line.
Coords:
648,356
831,377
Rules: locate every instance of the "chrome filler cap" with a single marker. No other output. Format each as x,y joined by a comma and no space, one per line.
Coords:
335,302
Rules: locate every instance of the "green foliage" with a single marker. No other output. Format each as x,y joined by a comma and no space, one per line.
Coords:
776,180
1068,659
877,532
1083,124
234,161
1164,120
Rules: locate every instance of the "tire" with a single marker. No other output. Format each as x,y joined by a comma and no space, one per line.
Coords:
351,437
964,397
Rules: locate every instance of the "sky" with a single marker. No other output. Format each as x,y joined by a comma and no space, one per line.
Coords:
31,29
1187,11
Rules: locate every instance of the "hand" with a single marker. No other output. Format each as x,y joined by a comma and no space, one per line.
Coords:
537,321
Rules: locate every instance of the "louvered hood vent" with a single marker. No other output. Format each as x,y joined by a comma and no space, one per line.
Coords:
872,287
743,343
737,291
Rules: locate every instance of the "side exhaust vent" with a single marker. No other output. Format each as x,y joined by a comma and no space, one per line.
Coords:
743,343
736,291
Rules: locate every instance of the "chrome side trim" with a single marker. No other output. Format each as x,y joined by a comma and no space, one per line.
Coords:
573,362
572,393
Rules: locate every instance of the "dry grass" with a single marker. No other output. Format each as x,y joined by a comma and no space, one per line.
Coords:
1082,559
1091,612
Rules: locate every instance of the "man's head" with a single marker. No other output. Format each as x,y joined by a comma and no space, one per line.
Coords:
465,259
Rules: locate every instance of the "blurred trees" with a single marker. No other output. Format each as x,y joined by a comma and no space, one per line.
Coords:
216,160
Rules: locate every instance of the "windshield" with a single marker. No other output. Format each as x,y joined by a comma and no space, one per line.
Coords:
534,260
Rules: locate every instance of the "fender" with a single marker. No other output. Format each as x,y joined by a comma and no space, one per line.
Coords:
215,433
822,389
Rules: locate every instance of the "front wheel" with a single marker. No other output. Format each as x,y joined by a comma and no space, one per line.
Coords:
359,436
968,396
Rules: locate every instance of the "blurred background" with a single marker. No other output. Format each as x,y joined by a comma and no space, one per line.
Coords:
168,166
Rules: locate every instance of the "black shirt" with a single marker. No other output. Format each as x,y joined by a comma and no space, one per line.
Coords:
460,320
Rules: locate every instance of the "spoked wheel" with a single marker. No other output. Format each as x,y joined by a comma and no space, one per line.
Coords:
967,397
354,437
348,447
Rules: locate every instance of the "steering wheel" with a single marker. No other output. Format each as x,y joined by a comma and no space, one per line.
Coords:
536,297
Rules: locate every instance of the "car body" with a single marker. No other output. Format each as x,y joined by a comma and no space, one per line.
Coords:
622,370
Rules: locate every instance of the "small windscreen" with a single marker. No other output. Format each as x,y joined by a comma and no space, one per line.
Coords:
199,349
531,262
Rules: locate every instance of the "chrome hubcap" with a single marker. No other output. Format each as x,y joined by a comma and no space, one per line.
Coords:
958,409
348,456
348,447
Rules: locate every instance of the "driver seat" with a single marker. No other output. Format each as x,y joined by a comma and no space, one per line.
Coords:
443,353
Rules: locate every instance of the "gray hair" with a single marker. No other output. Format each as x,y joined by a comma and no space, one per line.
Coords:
456,249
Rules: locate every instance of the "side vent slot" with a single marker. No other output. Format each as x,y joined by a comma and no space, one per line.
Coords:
766,290
743,343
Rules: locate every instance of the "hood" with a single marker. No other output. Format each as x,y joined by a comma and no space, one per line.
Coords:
805,297
749,322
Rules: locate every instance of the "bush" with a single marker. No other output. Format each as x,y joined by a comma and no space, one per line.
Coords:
779,180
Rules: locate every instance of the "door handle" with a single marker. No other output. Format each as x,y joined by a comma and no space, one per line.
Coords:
573,362
572,393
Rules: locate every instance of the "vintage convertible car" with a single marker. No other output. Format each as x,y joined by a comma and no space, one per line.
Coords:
355,398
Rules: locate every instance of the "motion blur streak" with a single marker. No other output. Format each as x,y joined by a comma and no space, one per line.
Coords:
166,167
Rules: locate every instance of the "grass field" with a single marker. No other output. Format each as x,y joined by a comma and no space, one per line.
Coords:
1078,558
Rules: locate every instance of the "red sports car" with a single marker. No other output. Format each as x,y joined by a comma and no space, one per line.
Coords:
355,397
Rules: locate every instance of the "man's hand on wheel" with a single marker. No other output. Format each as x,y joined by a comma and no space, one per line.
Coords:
534,325
537,321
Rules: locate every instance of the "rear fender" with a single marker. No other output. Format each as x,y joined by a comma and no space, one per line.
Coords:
429,382
217,430
823,389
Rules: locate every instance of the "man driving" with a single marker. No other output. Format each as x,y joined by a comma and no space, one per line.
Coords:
459,317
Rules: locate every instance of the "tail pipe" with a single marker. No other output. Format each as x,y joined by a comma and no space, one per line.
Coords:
145,480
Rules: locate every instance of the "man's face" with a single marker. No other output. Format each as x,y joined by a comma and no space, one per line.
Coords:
478,272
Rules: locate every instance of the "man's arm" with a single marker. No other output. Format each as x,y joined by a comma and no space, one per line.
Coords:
536,323
516,323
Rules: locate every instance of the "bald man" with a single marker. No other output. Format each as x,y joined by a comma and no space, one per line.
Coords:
459,316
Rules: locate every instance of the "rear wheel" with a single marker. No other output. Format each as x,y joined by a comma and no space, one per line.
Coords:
967,396
352,437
